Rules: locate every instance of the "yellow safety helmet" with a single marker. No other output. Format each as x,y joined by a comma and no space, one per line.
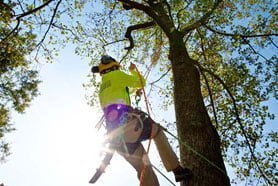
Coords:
107,62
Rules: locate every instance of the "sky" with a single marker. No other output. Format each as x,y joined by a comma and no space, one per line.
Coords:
55,142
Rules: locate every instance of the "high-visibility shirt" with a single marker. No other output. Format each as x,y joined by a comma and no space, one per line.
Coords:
114,87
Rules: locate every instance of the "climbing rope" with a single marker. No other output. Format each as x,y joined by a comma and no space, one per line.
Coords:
194,151
161,173
148,112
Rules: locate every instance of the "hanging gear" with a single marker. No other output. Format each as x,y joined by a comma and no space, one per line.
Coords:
138,98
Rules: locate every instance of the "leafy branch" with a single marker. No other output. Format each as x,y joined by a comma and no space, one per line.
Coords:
51,23
206,80
244,38
202,21
20,16
237,34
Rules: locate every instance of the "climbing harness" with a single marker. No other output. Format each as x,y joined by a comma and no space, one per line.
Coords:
137,100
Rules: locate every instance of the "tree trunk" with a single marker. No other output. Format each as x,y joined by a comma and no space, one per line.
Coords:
193,123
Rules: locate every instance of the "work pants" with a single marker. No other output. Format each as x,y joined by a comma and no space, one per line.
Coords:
139,158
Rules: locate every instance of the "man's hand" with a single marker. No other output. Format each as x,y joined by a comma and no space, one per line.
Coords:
132,66
139,92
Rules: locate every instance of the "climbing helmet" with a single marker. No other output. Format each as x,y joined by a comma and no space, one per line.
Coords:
107,62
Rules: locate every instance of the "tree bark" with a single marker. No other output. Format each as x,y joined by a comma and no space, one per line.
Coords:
194,126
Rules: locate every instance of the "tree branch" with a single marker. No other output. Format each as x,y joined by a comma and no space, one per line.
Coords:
62,27
202,21
111,43
127,4
33,10
206,80
126,54
20,5
238,35
156,12
169,10
51,22
20,16
252,48
162,76
244,38
272,42
180,11
136,27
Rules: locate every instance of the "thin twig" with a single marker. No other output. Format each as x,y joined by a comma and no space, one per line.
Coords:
20,16
162,76
272,42
252,48
113,42
61,27
50,24
127,52
206,80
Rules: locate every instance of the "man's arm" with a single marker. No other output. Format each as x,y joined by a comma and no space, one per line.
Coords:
135,80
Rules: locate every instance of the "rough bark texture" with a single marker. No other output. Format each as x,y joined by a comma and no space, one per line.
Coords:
193,123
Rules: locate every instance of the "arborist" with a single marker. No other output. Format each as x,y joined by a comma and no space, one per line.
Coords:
127,127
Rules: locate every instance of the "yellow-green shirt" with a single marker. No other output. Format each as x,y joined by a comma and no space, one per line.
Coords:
113,88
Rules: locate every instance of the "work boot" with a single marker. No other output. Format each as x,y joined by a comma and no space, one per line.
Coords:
182,174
